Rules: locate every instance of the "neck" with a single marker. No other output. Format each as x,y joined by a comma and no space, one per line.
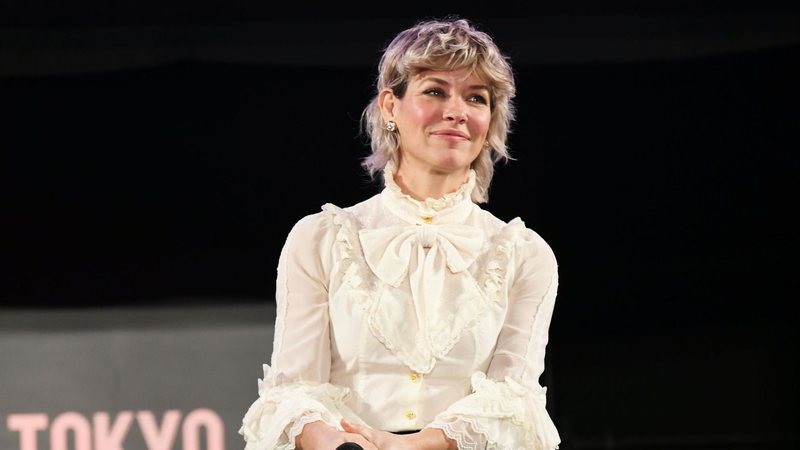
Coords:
424,184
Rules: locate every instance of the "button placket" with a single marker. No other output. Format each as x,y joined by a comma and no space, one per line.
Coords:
414,384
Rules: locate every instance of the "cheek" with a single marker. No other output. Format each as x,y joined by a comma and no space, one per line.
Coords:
480,124
423,114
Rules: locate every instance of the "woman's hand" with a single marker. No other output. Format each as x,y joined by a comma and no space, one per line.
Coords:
428,439
321,436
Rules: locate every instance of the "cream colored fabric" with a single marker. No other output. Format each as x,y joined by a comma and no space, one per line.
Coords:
401,315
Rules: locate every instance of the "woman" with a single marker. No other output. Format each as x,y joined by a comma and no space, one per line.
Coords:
415,319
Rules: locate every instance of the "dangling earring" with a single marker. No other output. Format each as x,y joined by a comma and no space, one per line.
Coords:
391,126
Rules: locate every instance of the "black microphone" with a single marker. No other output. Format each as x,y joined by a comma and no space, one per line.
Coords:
349,446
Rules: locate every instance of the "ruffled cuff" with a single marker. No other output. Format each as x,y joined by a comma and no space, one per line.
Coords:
499,416
277,417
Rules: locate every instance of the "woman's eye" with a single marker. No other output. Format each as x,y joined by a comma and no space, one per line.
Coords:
434,92
475,98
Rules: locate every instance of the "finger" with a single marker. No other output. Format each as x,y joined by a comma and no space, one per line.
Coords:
358,429
347,425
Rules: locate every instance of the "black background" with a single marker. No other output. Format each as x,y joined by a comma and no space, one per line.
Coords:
657,156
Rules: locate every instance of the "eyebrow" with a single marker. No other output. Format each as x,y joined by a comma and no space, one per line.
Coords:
446,83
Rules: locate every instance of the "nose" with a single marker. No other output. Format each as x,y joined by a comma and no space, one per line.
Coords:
455,110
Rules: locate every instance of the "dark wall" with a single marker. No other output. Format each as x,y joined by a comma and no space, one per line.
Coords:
664,179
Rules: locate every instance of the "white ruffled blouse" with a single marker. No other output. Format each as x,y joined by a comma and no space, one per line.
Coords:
403,314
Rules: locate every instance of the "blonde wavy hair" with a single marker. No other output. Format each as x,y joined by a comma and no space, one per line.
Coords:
446,44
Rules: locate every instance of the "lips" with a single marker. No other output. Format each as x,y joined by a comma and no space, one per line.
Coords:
451,133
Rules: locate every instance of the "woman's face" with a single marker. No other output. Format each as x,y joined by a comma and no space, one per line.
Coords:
442,120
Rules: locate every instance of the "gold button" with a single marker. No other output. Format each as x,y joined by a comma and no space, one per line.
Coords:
414,376
427,219
410,415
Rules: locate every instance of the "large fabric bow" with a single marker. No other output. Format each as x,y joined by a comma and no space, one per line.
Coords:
388,251
422,322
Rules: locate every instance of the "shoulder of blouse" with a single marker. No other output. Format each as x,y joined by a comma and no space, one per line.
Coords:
534,242
312,232
515,230
488,221
531,250
534,259
308,238
310,225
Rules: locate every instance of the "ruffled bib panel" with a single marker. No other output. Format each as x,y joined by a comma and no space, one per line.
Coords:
426,281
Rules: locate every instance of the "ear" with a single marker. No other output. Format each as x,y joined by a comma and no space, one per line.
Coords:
387,102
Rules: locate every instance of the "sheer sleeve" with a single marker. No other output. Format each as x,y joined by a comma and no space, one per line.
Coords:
295,389
506,410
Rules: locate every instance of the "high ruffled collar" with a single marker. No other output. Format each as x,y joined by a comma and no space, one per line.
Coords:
453,206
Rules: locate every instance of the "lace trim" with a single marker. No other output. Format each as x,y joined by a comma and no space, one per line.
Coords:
464,439
499,258
436,204
297,428
506,415
272,418
355,272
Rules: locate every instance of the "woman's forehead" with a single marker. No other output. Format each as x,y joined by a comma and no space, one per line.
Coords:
449,76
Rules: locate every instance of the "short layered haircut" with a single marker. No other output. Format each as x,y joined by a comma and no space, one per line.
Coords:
446,44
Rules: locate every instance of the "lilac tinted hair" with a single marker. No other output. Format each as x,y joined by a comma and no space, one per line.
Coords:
447,44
